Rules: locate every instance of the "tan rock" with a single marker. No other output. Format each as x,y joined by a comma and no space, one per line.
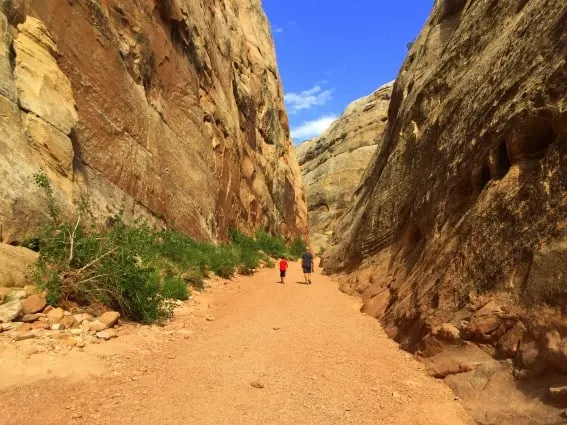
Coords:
82,317
31,290
96,326
43,88
24,327
507,346
56,314
69,322
33,304
109,318
257,384
10,310
16,294
333,163
21,336
57,327
442,368
9,326
222,111
28,318
16,266
465,193
107,334
40,325
447,332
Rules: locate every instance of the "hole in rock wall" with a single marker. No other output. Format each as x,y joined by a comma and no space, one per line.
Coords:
500,162
530,140
481,177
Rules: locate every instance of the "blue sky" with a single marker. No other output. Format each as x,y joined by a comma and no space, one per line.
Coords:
332,52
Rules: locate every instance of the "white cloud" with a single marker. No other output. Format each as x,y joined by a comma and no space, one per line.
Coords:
310,129
278,29
307,99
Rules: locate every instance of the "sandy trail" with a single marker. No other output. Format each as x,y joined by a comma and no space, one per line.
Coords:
319,359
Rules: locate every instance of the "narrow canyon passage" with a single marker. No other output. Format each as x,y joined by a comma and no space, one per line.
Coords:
319,360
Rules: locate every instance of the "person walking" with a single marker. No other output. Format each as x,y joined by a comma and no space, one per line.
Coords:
307,265
283,269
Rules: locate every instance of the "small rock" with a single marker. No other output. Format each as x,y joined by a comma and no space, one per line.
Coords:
16,294
28,318
81,317
109,318
96,326
210,318
40,325
76,332
257,384
70,342
57,327
107,334
276,328
447,332
10,310
68,322
4,292
24,327
9,326
23,336
33,304
56,314
31,290
558,394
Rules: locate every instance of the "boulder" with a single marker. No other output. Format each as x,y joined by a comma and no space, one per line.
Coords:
447,332
508,344
56,314
33,304
10,310
107,334
109,318
16,265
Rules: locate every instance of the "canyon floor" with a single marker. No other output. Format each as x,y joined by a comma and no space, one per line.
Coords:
315,357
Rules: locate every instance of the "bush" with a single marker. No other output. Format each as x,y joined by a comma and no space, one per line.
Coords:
297,248
271,245
135,268
174,288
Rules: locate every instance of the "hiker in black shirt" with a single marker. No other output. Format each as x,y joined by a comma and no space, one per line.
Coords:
307,265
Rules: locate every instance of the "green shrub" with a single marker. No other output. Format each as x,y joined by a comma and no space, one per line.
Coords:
175,288
297,248
135,268
274,246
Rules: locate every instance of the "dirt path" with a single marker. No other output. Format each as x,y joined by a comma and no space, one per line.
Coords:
319,359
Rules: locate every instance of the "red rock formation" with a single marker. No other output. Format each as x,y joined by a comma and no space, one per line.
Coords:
179,114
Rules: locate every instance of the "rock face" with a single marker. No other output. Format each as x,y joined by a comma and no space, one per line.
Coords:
16,265
171,110
466,194
333,163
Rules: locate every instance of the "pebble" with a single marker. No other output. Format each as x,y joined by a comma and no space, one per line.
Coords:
257,384
107,334
210,318
57,327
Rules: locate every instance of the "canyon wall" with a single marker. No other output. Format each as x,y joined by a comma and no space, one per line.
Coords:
333,163
170,110
465,201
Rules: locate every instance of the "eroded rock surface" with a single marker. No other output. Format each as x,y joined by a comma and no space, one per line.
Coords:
461,217
333,163
171,110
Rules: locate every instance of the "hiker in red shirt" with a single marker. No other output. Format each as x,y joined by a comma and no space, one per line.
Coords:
283,269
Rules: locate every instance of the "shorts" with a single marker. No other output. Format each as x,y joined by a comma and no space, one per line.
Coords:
282,273
308,269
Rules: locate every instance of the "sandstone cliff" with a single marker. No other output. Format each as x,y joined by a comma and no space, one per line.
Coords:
333,163
465,200
171,110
